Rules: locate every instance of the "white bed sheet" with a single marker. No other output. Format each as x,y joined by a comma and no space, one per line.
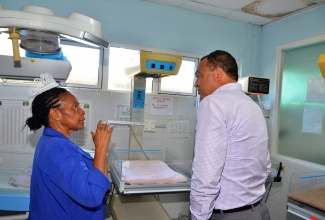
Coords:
141,172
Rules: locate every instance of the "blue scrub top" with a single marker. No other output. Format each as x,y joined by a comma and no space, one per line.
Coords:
64,183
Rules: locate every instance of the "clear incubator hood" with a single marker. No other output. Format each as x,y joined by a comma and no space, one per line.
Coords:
38,30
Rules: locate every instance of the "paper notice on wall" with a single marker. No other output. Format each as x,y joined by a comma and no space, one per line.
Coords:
122,113
312,120
315,90
161,106
178,129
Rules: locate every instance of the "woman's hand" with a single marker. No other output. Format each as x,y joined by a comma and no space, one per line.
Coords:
101,139
102,136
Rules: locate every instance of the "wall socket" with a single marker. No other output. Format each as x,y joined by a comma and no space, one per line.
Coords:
149,125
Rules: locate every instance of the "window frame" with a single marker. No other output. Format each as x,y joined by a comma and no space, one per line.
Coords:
276,105
100,72
103,67
194,91
156,82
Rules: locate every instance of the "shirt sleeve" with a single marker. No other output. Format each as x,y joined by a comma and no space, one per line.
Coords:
209,159
69,171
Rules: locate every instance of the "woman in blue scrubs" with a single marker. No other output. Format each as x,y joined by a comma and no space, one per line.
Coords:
66,182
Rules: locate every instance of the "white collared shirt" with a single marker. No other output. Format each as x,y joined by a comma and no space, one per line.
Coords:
231,158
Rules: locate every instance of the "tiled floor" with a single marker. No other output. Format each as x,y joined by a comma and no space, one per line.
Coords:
108,215
14,217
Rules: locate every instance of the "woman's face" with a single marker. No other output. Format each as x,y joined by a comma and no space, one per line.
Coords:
72,117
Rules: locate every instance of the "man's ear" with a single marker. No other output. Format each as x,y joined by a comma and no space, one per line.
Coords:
55,114
219,73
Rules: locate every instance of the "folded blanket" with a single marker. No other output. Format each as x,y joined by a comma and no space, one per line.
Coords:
314,197
22,179
139,172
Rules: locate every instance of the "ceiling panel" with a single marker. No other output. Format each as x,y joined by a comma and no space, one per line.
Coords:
276,8
248,18
207,9
233,4
259,12
169,2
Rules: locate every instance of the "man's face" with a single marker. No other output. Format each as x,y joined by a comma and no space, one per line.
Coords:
206,82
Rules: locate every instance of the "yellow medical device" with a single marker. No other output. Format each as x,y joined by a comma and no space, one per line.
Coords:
155,65
321,64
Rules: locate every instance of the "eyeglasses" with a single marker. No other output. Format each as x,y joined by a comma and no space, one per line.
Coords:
109,193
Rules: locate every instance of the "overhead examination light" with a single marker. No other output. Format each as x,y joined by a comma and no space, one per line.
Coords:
44,20
39,41
39,30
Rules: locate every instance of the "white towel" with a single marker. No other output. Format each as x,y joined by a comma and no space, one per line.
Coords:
22,179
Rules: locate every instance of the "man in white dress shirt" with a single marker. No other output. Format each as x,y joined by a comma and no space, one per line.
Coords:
231,158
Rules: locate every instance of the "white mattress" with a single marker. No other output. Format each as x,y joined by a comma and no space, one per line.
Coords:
314,197
140,172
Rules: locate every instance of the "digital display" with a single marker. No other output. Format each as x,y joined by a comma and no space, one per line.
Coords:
258,85
160,65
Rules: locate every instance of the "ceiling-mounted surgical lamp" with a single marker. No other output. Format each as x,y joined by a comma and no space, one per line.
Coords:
39,30
44,20
39,41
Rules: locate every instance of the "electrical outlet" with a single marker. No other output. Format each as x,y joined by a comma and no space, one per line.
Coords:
149,125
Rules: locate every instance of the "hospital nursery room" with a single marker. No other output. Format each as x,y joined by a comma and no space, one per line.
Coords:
108,109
